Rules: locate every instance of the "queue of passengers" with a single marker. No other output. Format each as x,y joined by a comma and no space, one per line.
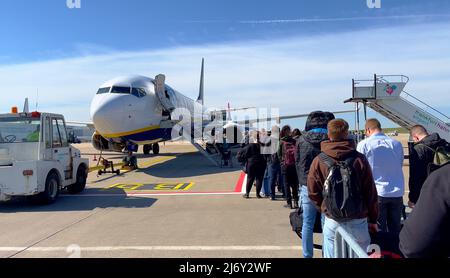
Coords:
357,187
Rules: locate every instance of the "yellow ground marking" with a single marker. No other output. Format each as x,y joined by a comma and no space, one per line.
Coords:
163,186
128,186
156,161
178,186
189,186
157,187
100,167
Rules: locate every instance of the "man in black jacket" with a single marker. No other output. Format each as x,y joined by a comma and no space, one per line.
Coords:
426,233
308,147
420,156
256,165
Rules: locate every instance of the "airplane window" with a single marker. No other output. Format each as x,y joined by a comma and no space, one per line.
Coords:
120,90
138,92
103,90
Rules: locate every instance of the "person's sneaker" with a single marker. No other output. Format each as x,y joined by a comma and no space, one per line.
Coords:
258,196
272,198
246,196
289,206
295,206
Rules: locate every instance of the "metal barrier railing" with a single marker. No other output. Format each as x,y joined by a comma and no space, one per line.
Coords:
346,247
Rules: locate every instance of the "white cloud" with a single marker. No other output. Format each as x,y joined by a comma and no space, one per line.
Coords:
295,74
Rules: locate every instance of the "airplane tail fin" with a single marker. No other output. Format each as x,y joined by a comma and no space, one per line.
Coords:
26,107
201,90
229,112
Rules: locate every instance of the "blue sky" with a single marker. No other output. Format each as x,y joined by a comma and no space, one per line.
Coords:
297,50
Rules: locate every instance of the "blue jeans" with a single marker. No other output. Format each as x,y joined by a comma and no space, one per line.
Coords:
358,228
266,183
274,173
309,219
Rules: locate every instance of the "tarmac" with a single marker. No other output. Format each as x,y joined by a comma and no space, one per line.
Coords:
176,205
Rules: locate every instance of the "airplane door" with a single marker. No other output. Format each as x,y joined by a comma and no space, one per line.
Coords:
59,147
162,93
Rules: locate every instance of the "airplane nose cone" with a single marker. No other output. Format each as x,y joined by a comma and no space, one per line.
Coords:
99,116
106,114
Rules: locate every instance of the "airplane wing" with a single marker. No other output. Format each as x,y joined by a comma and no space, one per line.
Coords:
87,124
287,117
232,109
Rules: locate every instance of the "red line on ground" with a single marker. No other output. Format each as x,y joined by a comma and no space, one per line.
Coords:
240,182
181,192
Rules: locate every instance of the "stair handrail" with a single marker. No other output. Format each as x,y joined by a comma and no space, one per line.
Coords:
404,78
428,106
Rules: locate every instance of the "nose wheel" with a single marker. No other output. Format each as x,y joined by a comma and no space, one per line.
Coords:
151,148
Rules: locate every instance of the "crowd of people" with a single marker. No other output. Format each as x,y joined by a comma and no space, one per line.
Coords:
334,181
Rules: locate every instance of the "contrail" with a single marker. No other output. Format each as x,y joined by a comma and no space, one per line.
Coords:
331,19
337,19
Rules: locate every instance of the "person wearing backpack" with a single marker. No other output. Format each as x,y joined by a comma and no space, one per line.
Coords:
386,158
421,157
341,185
308,147
287,152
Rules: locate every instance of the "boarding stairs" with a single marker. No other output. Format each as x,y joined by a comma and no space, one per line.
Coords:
385,94
200,145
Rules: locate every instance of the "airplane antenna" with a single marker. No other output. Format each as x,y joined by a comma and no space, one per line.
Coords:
229,113
37,99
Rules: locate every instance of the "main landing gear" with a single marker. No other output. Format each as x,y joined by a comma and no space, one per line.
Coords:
151,147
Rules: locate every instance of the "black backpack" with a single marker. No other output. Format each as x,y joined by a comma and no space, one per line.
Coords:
342,194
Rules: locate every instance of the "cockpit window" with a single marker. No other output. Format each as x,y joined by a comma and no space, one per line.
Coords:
138,92
120,90
103,90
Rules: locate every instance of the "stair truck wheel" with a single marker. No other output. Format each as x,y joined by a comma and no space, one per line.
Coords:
80,183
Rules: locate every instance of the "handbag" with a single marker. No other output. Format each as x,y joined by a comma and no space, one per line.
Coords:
296,220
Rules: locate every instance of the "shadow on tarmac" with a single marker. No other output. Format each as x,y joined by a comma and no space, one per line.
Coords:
140,156
79,202
187,165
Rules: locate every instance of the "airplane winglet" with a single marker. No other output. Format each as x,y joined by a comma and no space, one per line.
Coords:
202,84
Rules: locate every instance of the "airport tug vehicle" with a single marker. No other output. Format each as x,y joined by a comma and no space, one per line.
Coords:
36,158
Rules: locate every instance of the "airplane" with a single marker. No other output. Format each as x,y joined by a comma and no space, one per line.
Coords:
136,110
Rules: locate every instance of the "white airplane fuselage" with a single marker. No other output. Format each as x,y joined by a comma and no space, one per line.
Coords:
127,110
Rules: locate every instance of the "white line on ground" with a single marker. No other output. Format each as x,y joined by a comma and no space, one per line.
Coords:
156,248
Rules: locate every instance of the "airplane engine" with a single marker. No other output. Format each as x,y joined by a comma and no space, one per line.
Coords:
102,144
